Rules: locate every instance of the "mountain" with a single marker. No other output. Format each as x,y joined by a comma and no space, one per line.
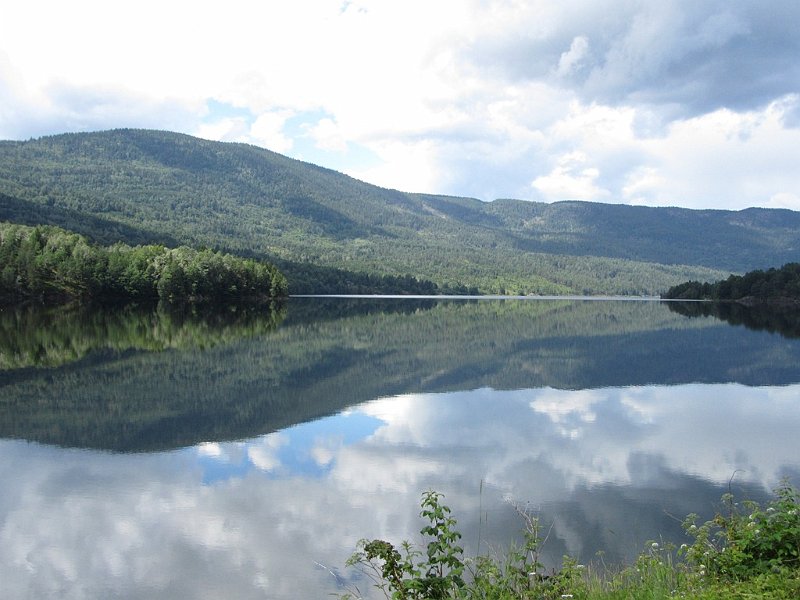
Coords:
328,231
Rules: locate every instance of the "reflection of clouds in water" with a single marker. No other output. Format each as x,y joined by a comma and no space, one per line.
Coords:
589,435
404,419
211,449
139,530
568,413
263,453
399,469
712,431
230,453
85,524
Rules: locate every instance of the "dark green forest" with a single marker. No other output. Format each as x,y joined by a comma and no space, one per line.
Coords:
48,264
773,286
330,233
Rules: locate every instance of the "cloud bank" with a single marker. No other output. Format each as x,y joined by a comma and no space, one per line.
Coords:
670,103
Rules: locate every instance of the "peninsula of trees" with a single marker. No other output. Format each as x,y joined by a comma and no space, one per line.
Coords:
49,264
773,286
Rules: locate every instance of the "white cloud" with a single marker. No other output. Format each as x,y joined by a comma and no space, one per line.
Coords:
571,179
724,158
267,131
230,129
641,183
406,165
467,98
327,135
571,59
784,200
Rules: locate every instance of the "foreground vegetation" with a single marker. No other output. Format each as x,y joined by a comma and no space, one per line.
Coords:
781,286
745,551
51,265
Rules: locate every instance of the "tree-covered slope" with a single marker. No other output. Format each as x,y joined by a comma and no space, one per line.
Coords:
773,286
49,264
146,186
719,239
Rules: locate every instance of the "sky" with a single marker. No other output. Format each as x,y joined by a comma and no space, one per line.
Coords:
668,103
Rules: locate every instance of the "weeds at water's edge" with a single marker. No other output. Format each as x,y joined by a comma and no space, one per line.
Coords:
745,551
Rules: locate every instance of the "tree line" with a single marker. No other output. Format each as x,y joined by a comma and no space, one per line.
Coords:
758,286
48,264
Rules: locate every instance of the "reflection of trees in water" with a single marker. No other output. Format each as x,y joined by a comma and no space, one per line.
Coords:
226,376
775,319
33,336
331,308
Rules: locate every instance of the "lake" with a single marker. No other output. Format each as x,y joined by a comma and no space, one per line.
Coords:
157,454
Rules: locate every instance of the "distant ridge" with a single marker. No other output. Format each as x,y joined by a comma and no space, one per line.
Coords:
325,229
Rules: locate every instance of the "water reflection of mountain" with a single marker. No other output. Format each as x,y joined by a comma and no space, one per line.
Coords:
319,362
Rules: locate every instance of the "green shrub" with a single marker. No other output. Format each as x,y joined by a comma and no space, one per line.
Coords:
749,540
439,572
412,574
749,552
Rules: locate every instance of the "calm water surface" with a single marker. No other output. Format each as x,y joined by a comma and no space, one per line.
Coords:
161,455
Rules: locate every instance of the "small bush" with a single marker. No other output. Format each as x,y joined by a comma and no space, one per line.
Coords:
412,574
439,572
749,540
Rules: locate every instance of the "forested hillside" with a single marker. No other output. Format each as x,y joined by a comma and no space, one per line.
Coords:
331,233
